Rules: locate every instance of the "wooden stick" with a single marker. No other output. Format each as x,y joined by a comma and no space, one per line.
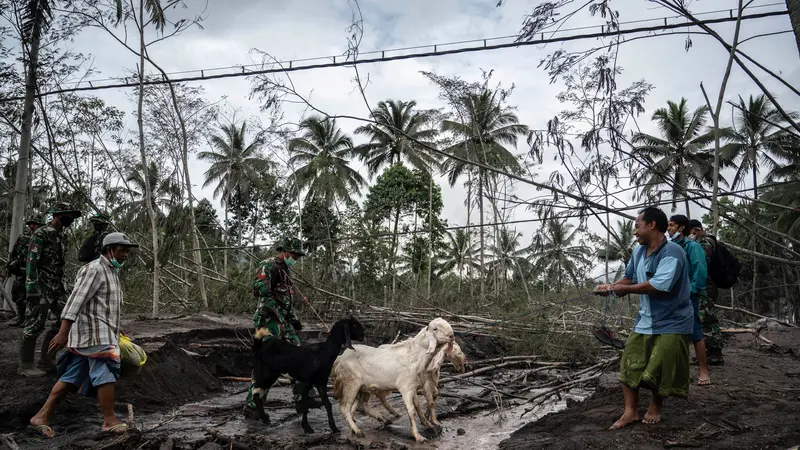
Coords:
491,369
240,379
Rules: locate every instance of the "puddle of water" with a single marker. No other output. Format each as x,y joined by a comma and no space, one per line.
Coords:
486,429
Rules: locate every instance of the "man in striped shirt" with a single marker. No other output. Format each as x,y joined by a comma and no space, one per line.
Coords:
90,324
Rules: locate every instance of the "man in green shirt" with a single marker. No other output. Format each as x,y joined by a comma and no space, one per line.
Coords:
678,230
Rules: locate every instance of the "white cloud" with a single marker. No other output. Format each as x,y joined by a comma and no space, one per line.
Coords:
310,28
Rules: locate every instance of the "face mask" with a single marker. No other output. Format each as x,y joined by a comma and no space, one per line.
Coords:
66,220
290,261
116,263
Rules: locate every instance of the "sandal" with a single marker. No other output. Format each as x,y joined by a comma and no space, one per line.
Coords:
704,382
44,430
119,428
606,336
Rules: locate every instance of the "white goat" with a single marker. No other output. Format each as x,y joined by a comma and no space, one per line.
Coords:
430,387
400,367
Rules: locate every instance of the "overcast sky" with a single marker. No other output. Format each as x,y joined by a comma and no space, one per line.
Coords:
314,28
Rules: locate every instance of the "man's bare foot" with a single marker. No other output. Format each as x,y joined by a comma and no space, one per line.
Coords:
704,378
625,420
113,426
40,424
653,415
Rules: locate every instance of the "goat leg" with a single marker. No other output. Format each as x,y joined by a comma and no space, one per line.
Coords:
348,404
323,395
259,395
430,398
363,406
409,397
382,397
306,427
418,408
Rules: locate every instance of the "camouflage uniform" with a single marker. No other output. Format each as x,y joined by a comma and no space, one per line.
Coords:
273,289
708,315
44,289
44,284
16,267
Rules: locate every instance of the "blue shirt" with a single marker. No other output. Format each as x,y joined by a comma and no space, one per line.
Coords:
669,310
696,259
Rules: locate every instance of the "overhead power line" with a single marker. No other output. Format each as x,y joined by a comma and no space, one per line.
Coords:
290,66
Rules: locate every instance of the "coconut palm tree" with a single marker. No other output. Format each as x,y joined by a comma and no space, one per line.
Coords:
322,154
400,132
165,190
556,254
756,140
459,254
484,133
620,246
678,160
236,167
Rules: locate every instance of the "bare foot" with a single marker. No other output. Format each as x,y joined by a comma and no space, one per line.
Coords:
704,378
40,424
625,420
114,426
653,415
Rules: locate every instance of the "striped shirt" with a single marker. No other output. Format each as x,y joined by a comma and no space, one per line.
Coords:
94,306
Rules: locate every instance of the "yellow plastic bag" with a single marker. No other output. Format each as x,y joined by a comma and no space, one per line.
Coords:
131,354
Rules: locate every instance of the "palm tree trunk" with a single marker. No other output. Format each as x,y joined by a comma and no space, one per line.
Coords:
255,225
480,212
686,203
225,243
23,160
394,254
754,208
148,194
430,233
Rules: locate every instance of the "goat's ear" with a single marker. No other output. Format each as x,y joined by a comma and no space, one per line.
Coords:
437,360
347,343
431,341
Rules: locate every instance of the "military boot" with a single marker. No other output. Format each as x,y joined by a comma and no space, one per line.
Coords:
20,319
47,362
27,349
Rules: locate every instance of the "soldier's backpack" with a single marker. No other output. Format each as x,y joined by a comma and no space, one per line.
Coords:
724,267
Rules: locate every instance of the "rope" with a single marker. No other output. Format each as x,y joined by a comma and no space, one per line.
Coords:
292,288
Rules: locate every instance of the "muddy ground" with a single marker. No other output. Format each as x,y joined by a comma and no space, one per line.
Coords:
753,404
180,402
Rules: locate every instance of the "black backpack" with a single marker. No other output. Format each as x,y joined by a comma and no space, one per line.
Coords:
724,268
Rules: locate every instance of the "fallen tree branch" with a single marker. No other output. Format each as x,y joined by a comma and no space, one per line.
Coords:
737,309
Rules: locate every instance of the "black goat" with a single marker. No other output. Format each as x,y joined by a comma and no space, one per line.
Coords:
310,363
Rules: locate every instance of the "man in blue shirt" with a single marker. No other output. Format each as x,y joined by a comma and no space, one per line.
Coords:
678,229
656,354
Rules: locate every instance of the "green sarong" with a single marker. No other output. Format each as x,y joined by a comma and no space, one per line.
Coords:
659,362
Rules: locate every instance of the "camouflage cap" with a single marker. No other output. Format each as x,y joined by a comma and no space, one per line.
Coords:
290,244
64,208
100,218
35,220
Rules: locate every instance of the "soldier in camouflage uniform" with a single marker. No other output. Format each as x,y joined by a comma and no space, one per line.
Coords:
93,245
273,289
44,287
708,315
16,267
